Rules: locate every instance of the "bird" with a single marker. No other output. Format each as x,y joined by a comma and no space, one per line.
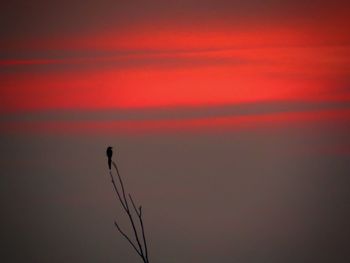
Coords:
109,153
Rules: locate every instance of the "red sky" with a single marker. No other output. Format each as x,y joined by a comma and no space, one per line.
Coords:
174,55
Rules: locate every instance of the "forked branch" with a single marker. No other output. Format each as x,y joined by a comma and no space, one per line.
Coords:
140,248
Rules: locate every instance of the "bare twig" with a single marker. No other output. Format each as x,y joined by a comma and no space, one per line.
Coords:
127,210
142,251
127,238
139,213
121,184
117,191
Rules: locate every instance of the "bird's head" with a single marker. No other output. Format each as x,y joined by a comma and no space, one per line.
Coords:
109,151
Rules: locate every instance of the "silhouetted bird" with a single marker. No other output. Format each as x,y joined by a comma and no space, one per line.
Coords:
109,155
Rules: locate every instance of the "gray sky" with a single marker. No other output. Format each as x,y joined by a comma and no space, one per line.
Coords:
276,194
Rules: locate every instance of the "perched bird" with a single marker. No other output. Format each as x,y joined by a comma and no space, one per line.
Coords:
109,155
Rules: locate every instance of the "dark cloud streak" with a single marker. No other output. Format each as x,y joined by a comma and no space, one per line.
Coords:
43,18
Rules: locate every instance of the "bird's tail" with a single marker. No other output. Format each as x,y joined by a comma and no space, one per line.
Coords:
109,164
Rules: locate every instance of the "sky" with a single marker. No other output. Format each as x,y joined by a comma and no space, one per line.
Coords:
230,123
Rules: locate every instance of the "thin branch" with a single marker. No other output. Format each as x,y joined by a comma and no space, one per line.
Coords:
127,238
133,204
135,231
139,213
140,249
116,190
127,210
144,238
143,235
122,185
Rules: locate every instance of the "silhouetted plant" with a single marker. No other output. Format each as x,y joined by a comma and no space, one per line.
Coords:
141,244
